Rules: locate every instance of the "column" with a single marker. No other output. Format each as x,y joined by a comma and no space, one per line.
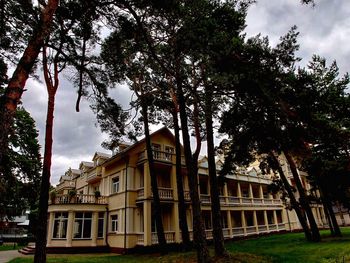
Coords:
275,218
49,229
147,181
319,221
70,228
147,217
229,224
261,192
225,192
255,222
94,227
175,222
239,192
250,189
266,221
244,224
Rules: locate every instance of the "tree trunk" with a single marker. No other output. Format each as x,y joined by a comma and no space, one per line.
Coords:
330,223
180,191
192,168
327,204
218,236
300,214
152,171
316,237
16,85
41,236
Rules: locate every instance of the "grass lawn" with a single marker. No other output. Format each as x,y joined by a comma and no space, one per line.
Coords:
9,247
276,248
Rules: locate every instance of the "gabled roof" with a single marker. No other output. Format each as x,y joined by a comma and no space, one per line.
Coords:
122,153
102,155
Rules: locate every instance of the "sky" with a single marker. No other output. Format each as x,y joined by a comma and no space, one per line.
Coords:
324,30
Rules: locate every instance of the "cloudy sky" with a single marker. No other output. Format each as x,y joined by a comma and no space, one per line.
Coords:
324,30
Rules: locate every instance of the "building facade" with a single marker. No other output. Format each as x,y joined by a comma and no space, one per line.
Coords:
108,202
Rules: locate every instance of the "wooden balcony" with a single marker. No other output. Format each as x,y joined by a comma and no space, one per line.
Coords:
78,199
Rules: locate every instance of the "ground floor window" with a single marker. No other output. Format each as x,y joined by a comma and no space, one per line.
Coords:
82,225
114,223
100,228
60,225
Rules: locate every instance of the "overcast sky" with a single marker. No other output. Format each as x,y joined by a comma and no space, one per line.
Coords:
324,30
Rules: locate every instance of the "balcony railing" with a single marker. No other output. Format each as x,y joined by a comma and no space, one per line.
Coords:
164,193
78,199
157,155
253,201
205,199
187,195
169,237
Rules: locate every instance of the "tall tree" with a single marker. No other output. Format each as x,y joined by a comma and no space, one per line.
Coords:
15,87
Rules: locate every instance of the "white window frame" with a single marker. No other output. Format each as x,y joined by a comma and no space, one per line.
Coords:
84,221
114,223
115,185
61,219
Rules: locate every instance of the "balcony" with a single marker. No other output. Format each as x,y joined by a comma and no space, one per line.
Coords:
205,199
164,193
234,200
78,199
65,185
94,176
169,237
157,156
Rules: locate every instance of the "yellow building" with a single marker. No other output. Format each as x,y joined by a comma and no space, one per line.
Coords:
108,202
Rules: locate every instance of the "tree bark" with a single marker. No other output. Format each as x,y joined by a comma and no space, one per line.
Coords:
180,191
41,237
300,214
316,237
327,204
218,236
192,168
152,171
14,90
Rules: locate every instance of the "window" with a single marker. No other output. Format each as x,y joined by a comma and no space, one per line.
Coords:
60,225
82,225
100,227
114,223
115,185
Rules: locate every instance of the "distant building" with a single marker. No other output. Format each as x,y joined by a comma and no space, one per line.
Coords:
108,202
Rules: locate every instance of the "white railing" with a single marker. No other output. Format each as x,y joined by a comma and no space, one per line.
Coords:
250,230
281,226
222,199
209,233
169,237
262,228
238,231
187,195
164,193
205,199
140,239
247,200
258,201
226,232
157,155
78,199
233,200
272,227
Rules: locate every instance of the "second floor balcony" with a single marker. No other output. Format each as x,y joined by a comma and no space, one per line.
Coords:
78,199
164,193
242,201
